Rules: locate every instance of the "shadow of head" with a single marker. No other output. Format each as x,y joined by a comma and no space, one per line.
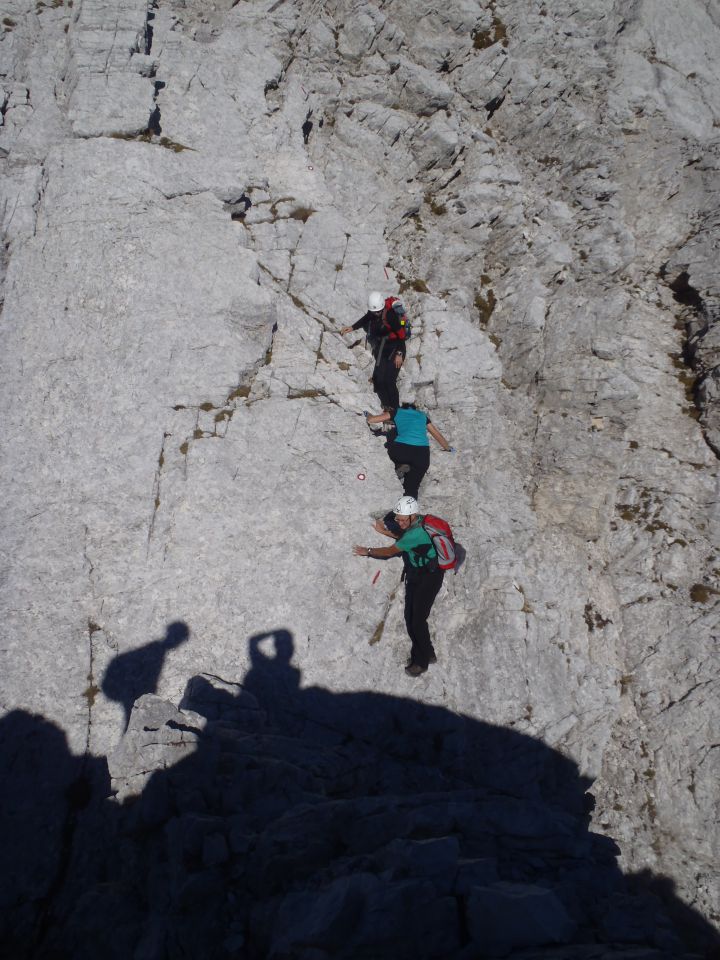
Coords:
279,640
176,634
136,672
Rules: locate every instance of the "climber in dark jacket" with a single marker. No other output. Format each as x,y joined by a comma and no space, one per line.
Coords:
384,329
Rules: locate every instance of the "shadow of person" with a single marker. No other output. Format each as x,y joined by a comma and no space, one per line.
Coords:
136,672
303,824
46,797
272,680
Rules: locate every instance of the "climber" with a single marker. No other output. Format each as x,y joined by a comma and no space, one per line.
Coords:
409,450
423,577
386,327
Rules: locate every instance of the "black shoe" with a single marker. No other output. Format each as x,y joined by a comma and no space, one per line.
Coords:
415,670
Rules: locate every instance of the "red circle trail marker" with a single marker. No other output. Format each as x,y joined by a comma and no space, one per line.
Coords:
361,476
375,577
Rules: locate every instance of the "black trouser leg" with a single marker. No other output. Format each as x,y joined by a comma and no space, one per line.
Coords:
417,458
420,593
385,377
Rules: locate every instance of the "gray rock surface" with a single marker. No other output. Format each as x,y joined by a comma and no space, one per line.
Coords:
181,437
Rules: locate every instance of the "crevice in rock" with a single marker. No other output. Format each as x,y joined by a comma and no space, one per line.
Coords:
239,207
156,489
693,324
223,412
147,136
380,628
154,125
149,29
77,796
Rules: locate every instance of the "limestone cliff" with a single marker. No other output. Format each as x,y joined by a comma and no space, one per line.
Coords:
195,198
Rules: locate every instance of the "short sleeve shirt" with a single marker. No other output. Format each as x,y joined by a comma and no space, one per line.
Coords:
418,546
412,427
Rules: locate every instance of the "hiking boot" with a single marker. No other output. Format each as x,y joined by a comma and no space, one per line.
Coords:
401,470
415,670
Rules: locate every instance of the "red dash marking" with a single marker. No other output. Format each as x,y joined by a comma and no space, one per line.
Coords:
375,577
386,273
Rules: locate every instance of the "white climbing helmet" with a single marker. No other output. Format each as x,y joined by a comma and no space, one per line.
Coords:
406,507
376,301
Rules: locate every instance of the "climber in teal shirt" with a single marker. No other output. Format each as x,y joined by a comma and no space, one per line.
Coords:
410,449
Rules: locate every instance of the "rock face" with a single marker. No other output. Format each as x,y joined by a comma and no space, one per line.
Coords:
194,199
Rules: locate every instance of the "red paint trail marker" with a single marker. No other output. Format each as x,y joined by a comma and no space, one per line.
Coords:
386,273
361,476
375,577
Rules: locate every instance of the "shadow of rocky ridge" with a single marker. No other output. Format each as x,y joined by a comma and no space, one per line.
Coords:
266,820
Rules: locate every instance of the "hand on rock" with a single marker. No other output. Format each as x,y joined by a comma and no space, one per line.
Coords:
399,360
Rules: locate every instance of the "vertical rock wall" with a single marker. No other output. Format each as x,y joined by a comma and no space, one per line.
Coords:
196,197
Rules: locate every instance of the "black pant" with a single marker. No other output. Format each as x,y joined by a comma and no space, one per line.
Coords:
417,458
420,592
385,374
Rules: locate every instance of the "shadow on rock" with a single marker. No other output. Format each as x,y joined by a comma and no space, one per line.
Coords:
262,819
136,672
48,800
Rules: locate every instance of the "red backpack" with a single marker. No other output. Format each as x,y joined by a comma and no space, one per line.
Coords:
395,323
442,537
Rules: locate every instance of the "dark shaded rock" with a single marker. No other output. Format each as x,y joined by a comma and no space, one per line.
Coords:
475,873
504,917
362,916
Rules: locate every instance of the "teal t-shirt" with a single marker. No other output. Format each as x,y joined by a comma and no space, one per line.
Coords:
418,546
411,427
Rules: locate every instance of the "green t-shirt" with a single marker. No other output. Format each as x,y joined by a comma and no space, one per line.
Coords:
418,546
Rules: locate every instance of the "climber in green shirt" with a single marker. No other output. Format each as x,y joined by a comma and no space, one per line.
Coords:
423,578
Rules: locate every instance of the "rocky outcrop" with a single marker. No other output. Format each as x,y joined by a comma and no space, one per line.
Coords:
194,200
319,825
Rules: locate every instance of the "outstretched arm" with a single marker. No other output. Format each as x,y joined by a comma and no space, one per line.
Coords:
355,326
379,553
436,435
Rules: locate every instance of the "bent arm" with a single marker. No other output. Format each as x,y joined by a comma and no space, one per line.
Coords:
380,527
379,417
